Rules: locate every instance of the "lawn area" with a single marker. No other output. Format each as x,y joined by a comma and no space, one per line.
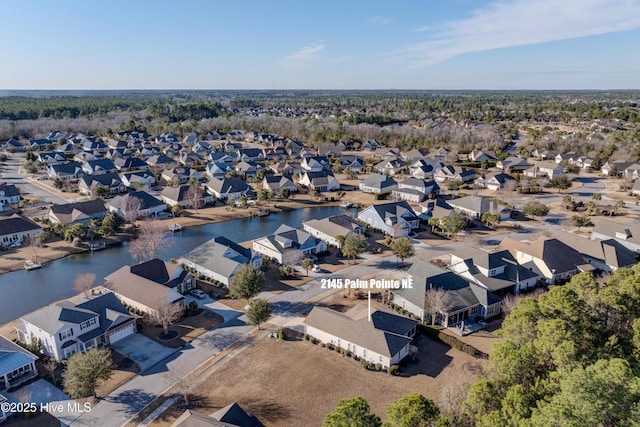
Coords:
296,383
189,327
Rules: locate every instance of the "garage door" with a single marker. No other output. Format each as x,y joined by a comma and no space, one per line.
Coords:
118,335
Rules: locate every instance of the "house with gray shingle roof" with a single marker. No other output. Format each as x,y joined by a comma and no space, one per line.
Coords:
148,206
9,195
229,188
65,328
220,258
110,183
607,255
230,416
17,365
331,228
475,206
468,299
77,212
396,219
378,183
16,228
385,338
287,238
625,233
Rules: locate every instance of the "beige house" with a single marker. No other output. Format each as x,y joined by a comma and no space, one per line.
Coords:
331,228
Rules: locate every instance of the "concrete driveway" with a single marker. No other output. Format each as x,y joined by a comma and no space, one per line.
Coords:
142,350
214,305
41,392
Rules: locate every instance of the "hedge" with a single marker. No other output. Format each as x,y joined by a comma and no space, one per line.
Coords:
452,341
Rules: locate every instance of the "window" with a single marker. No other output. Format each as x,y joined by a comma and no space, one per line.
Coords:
380,358
364,353
88,323
66,334
70,351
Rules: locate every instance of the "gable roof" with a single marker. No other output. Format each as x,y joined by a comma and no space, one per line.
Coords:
394,210
211,255
69,212
478,204
558,256
228,185
385,334
148,201
379,181
17,224
334,225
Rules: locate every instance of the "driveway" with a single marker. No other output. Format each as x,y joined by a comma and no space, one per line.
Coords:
214,305
142,350
41,392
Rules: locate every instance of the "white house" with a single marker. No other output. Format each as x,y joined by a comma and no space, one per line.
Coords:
378,183
396,219
287,238
385,339
148,205
220,259
475,206
17,366
64,328
319,181
9,195
331,228
16,228
228,188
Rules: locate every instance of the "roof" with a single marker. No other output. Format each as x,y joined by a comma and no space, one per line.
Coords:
394,210
228,185
69,212
286,237
13,357
378,181
126,282
220,255
230,416
630,230
477,204
148,201
610,251
108,179
558,256
9,190
385,334
339,225
17,224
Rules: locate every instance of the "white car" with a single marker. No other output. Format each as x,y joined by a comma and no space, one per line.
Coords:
316,268
198,293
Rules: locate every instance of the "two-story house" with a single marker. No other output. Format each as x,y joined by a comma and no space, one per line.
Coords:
396,219
287,238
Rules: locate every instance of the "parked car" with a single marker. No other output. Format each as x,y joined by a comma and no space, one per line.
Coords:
198,293
316,268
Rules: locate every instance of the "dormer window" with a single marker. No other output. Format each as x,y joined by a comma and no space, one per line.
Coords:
65,334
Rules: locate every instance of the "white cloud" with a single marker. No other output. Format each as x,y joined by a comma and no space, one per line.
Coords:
522,22
304,56
379,20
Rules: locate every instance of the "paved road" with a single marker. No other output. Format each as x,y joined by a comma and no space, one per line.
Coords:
12,174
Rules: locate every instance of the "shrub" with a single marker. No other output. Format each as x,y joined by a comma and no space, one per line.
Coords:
313,340
364,363
382,196
354,356
330,346
393,370
378,367
58,382
281,335
305,337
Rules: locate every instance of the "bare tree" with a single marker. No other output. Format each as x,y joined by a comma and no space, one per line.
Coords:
132,209
184,379
291,257
452,397
152,237
194,196
436,300
509,191
164,314
83,282
51,365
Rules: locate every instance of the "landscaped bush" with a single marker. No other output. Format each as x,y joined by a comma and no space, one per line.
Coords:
453,342
364,363
330,346
313,340
378,367
354,356
393,370
305,337
281,335
382,196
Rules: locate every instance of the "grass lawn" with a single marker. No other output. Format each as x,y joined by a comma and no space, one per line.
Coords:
296,383
189,327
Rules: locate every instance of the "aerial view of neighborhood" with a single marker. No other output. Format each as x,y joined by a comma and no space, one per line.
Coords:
367,218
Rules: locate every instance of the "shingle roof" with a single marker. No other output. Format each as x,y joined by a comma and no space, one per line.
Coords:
211,255
558,256
378,181
478,204
148,201
17,224
334,225
68,212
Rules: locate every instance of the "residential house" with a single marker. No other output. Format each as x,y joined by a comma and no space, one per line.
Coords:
329,151
565,157
167,138
250,155
545,170
220,259
396,219
442,155
180,175
138,179
9,195
354,163
247,170
454,173
285,239
65,328
333,229
69,170
99,167
38,144
148,206
276,183
180,196
222,157
632,171
68,149
414,155
415,190
513,164
497,271
172,150
387,154
161,160
475,206
16,228
544,154
90,146
481,156
230,416
107,184
378,183
315,164
218,169
287,168
635,190
229,188
605,255
150,285
17,366
319,181
550,258
625,233
381,338
494,181
371,145
469,300
203,148
191,159
77,212
13,145
51,158
131,164
191,138
614,168
391,167
424,168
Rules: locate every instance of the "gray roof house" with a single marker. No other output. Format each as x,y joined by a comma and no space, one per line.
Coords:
513,164
150,206
180,196
625,233
9,195
475,206
17,365
150,284
110,183
468,299
415,189
286,238
385,338
276,183
607,255
65,171
230,416
329,229
16,228
64,328
220,259
396,219
99,167
226,188
77,212
378,183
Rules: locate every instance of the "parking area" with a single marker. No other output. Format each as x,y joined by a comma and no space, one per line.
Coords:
214,305
142,350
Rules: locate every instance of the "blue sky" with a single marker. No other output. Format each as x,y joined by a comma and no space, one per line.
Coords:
287,44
